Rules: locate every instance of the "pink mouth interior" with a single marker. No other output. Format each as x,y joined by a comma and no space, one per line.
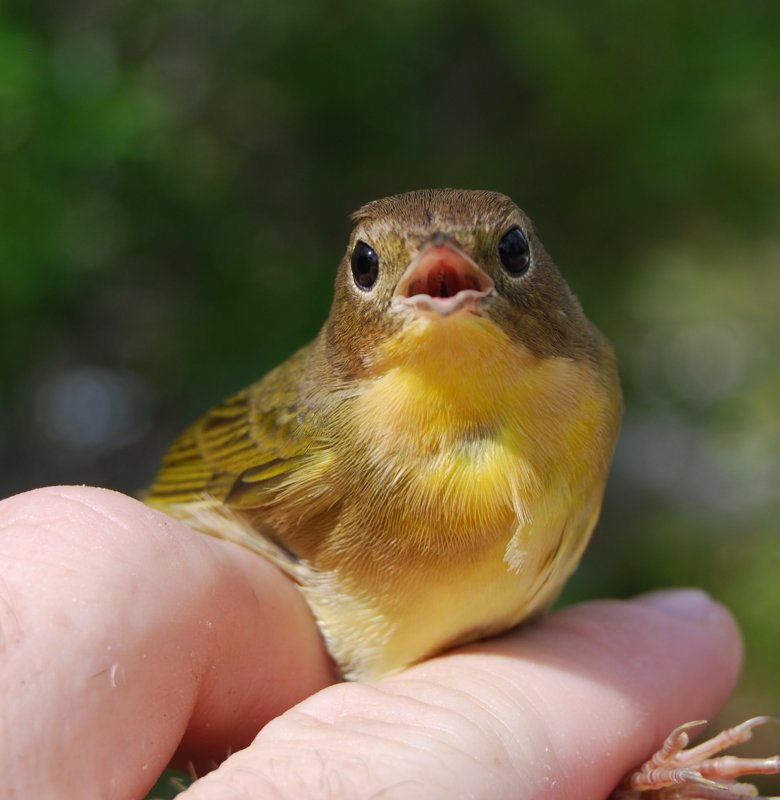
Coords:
444,272
442,280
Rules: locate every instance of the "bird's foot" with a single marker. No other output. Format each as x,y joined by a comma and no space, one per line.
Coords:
675,773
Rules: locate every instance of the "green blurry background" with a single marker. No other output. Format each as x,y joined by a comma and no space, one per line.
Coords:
175,183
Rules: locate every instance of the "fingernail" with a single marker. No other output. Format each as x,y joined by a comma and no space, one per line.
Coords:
693,604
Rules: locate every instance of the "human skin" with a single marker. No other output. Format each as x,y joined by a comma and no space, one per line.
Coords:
128,640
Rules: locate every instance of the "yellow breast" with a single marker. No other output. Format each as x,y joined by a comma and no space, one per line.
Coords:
488,469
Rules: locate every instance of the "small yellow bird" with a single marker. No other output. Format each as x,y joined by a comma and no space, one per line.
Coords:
429,469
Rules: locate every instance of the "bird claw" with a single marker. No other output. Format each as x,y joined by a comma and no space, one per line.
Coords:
674,773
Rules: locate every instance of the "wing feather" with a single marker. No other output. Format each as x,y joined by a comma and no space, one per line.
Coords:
258,456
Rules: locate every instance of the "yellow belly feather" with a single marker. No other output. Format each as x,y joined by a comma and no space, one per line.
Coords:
495,469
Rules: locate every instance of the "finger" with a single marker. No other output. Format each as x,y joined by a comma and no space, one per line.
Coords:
560,709
123,631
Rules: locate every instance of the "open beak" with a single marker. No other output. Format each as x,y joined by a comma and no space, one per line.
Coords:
443,280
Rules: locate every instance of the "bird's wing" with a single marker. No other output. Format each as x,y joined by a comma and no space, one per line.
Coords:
252,470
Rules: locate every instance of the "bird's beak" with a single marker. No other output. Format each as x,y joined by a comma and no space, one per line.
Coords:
442,280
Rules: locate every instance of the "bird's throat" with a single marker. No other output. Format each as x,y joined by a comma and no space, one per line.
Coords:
460,366
446,385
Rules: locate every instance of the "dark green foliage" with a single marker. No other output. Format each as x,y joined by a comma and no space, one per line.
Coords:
171,783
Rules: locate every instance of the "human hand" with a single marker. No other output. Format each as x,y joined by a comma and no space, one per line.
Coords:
128,640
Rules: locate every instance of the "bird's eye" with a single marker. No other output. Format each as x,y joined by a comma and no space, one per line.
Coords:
514,251
365,265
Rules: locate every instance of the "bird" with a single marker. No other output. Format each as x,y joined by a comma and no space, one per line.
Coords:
430,467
